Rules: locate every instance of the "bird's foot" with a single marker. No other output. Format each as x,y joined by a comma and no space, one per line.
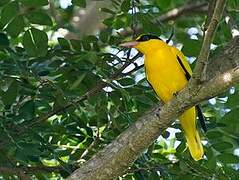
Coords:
157,114
175,94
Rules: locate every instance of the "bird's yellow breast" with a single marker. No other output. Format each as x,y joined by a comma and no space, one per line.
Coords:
164,72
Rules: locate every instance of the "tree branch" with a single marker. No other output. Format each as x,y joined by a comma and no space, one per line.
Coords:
114,159
19,173
208,38
182,10
211,7
173,14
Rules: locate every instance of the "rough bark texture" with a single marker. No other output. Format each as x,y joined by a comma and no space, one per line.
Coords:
225,60
222,72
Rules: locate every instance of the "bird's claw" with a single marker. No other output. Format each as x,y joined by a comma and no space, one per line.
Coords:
175,94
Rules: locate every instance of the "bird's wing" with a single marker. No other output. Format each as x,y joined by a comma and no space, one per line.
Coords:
188,73
183,62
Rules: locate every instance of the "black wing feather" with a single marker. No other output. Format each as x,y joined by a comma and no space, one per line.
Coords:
199,111
188,76
201,118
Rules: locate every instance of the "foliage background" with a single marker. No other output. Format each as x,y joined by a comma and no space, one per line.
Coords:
64,99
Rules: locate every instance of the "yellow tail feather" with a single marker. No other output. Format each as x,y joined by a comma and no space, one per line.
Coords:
188,122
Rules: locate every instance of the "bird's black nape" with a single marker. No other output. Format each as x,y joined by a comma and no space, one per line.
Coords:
146,37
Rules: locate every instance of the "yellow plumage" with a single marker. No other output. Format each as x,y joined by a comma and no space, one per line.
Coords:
167,76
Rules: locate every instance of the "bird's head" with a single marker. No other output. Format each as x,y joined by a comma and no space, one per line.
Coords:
145,43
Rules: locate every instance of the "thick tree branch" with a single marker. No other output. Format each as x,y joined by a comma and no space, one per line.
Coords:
114,159
208,38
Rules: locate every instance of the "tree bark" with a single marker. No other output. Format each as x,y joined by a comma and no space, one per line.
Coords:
222,72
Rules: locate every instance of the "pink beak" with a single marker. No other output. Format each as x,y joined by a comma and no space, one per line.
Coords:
129,44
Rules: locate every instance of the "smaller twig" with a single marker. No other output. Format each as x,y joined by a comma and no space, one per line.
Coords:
208,38
134,70
212,5
188,8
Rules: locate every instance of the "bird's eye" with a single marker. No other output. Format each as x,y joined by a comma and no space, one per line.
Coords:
144,38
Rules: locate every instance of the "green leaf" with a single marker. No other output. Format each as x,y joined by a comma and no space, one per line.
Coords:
222,146
231,117
64,43
233,100
4,41
104,36
125,6
118,23
43,73
223,33
180,148
27,111
76,44
108,21
35,2
80,3
106,10
16,26
3,2
35,42
164,4
86,45
191,47
126,81
214,134
8,12
30,148
90,56
228,158
144,100
9,92
39,17
121,21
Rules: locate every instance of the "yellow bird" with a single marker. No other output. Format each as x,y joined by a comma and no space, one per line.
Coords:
168,71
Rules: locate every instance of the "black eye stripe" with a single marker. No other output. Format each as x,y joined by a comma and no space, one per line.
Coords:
147,37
